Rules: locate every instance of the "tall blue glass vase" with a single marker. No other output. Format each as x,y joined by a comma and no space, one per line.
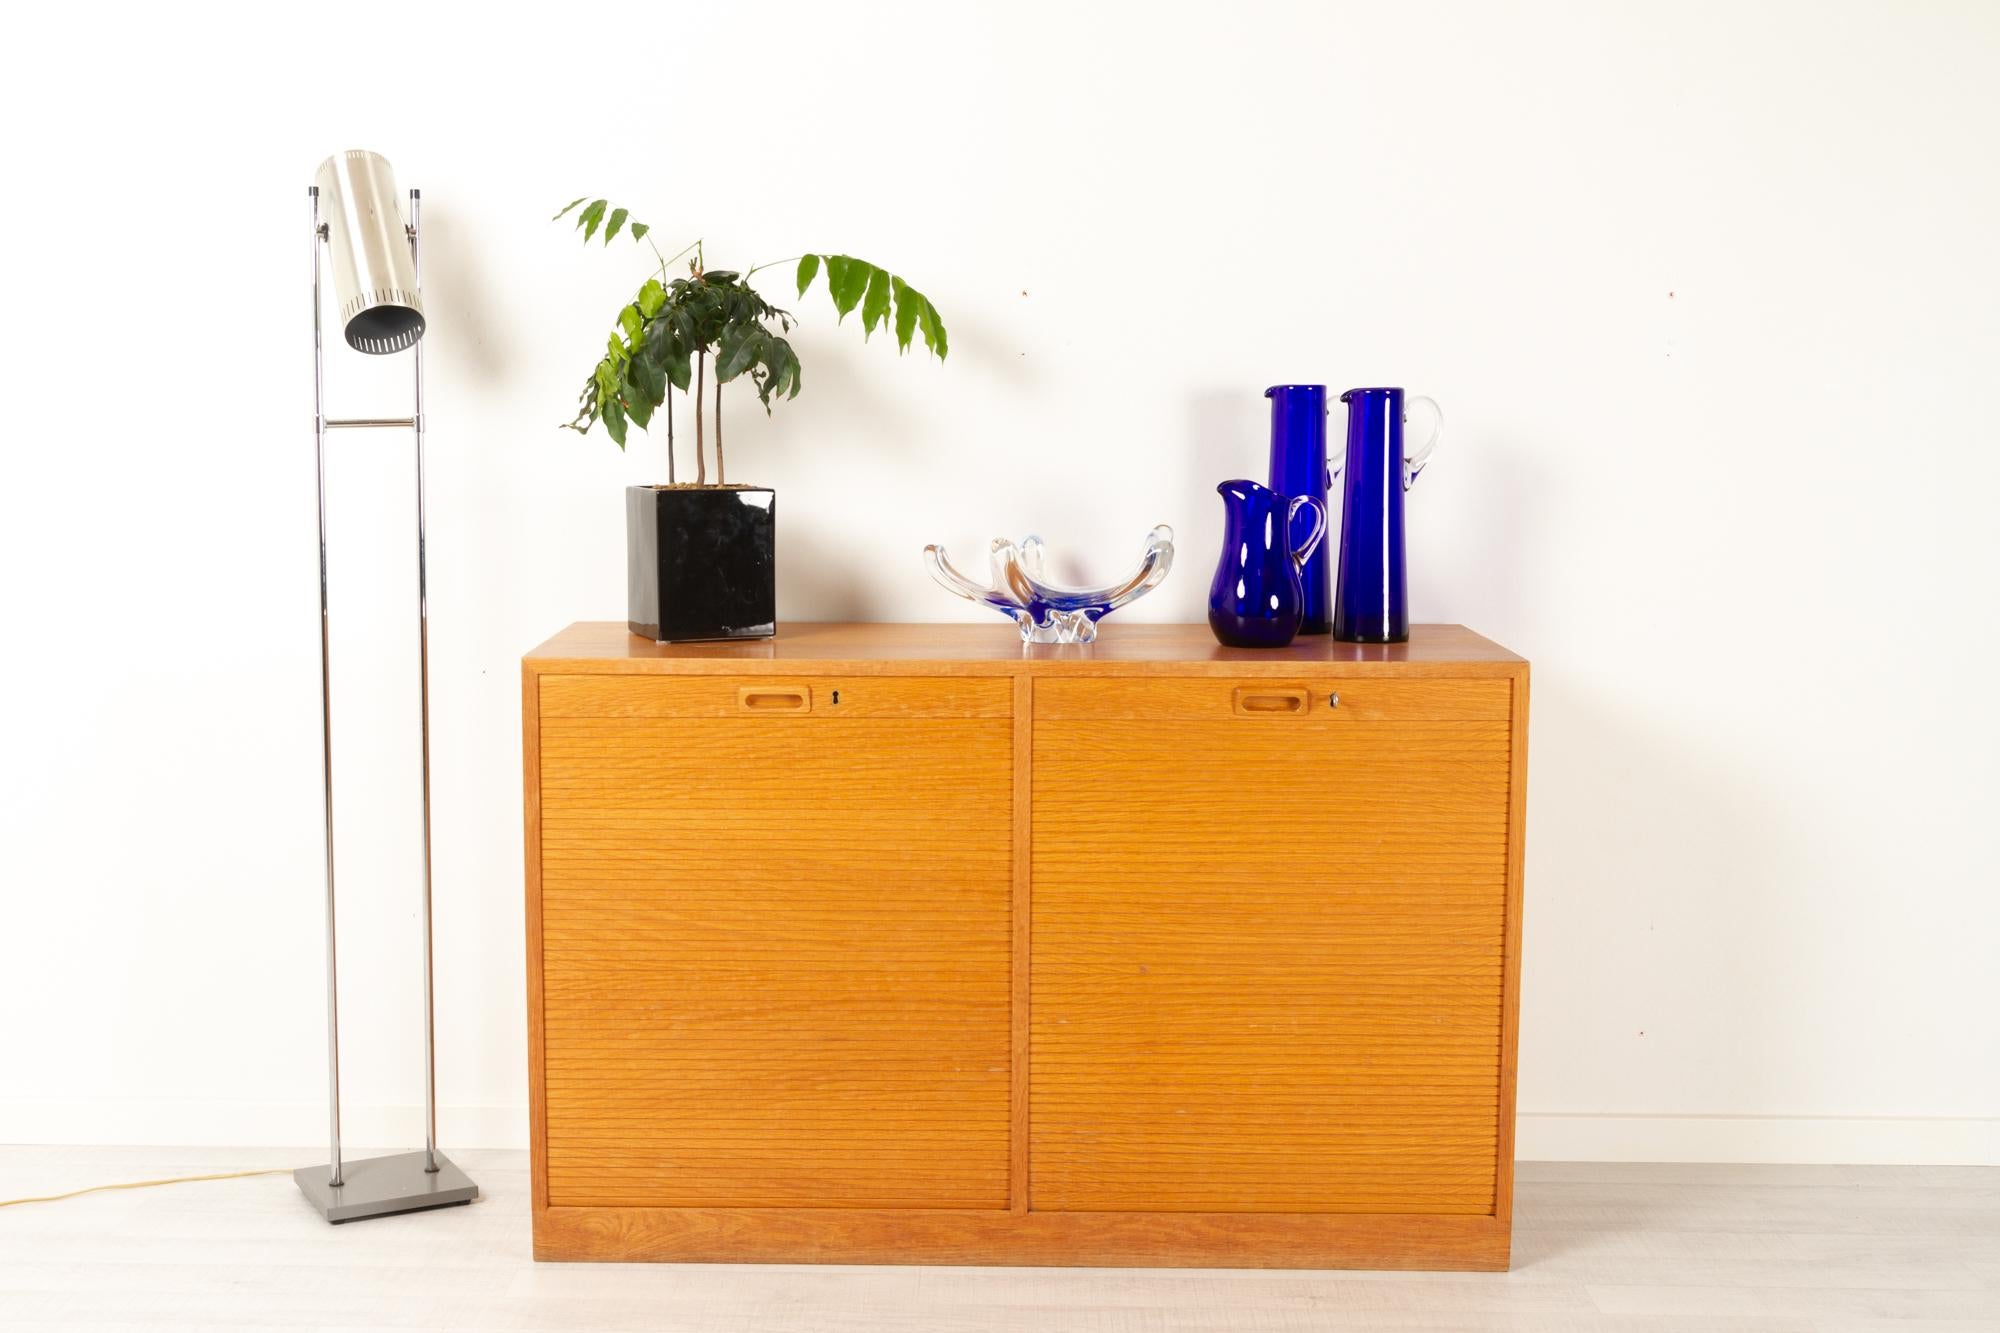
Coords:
1298,467
1371,591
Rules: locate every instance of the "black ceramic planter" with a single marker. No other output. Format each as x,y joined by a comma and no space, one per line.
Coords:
701,562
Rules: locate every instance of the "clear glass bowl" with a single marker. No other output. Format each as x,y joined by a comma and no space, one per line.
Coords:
1048,612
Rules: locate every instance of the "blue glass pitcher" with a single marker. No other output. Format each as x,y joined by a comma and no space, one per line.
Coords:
1298,467
1256,600
1371,591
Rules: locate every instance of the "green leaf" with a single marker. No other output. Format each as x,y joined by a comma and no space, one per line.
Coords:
784,369
875,305
586,411
637,408
614,419
907,303
639,230
737,351
568,206
651,297
618,216
660,338
914,314
847,279
680,368
645,389
808,270
630,320
649,378
668,350
590,217
933,328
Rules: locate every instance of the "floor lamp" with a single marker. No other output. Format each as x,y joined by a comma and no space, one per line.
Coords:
376,259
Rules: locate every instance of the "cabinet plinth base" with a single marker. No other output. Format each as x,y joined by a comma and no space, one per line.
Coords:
978,1236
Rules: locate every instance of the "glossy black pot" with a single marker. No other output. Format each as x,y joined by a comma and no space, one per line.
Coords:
701,562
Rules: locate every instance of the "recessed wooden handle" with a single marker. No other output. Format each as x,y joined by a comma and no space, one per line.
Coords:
1266,702
774,699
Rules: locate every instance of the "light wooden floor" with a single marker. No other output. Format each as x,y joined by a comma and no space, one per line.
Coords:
1626,1249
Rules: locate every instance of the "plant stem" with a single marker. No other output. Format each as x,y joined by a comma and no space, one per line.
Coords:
692,245
772,264
721,477
670,434
700,463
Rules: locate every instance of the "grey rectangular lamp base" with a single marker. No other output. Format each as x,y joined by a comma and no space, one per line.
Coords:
379,1186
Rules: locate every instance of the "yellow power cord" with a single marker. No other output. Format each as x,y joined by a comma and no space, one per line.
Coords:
148,1184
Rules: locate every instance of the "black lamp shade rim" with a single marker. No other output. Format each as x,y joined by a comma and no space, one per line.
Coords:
381,329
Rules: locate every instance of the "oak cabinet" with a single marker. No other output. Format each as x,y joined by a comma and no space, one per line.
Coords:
904,943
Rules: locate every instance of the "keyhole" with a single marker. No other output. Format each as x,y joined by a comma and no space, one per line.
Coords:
836,696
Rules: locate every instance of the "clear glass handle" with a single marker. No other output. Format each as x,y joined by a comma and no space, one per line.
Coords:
1414,460
1301,550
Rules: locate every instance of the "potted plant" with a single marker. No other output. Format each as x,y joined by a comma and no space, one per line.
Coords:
701,555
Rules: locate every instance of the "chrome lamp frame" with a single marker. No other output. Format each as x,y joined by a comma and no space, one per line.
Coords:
403,1182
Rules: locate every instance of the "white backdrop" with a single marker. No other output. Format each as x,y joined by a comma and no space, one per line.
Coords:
1708,292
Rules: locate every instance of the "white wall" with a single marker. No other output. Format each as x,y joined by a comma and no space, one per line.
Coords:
1708,291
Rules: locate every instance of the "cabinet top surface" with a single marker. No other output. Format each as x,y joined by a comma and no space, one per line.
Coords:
996,649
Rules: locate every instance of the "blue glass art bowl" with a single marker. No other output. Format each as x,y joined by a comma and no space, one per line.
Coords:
1048,612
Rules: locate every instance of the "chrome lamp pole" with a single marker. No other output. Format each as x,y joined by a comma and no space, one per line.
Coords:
377,262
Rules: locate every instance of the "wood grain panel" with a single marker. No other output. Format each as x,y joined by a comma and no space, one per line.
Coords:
1020,995
1510,1020
1268,953
994,647
531,786
972,1236
775,958
833,698
1362,699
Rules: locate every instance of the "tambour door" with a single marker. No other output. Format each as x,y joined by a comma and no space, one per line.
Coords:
775,940
1268,935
